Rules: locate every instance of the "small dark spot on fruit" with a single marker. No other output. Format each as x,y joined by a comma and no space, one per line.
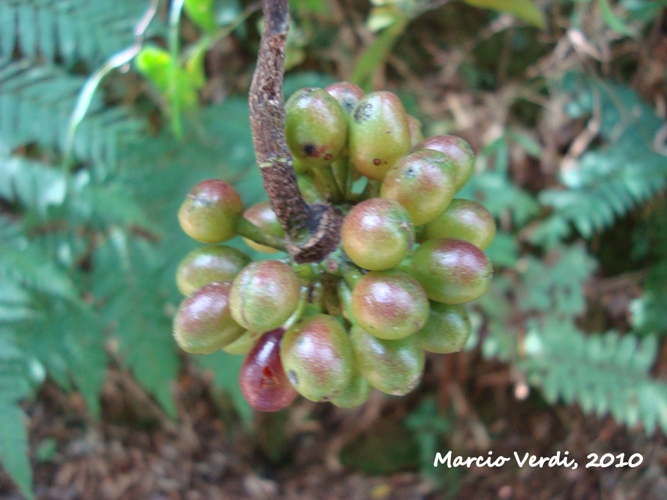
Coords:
309,149
377,161
328,156
410,173
267,371
293,377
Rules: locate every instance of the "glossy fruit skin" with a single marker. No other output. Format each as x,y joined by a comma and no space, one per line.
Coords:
379,134
262,379
463,219
377,234
315,127
264,295
347,94
203,323
452,271
210,211
243,344
265,218
317,357
355,393
447,329
209,264
416,135
423,182
389,304
458,150
391,366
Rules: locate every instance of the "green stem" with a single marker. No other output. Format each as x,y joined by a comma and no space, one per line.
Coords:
328,181
249,230
345,296
300,308
174,48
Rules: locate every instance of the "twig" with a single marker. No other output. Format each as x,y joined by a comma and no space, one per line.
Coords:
312,231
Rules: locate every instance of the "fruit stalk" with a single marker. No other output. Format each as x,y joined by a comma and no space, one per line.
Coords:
312,231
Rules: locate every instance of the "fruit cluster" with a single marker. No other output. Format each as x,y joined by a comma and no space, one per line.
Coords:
410,256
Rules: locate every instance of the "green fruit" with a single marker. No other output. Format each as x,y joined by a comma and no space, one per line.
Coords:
379,134
243,344
208,264
377,234
416,135
458,150
347,95
447,329
262,216
423,182
315,127
452,271
355,393
203,323
264,295
389,304
391,366
463,219
317,357
211,211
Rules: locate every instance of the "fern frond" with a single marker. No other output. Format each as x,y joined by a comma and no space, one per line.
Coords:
36,103
127,281
604,373
611,180
14,386
72,30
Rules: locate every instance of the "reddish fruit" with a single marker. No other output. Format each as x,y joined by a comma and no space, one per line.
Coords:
262,378
207,265
423,182
203,323
211,211
389,304
452,271
264,295
377,234
458,150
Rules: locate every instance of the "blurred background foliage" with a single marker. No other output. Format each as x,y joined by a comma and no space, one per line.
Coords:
111,111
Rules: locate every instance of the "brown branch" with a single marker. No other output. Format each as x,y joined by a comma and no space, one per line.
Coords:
312,231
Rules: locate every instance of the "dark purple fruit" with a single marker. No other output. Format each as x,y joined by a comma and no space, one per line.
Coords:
262,378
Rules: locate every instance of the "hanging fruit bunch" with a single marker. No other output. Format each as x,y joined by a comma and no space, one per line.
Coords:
381,255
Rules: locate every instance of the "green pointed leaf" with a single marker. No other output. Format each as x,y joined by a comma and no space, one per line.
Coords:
526,10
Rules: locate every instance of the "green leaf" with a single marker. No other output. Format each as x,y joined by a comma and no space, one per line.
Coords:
612,20
14,446
525,10
201,13
128,283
